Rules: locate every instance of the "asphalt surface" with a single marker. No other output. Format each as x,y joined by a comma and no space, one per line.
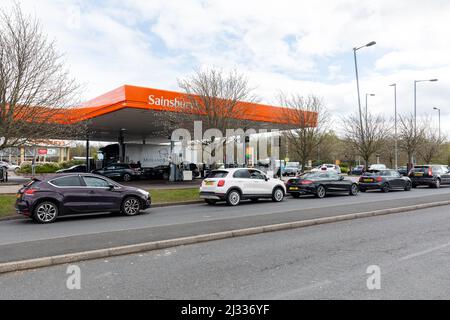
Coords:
23,239
328,261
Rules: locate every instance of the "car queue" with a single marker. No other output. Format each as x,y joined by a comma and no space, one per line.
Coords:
67,193
235,185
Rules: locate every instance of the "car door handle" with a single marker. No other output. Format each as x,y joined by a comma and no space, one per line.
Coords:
91,192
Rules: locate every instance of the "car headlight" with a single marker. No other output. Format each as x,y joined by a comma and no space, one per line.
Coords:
144,193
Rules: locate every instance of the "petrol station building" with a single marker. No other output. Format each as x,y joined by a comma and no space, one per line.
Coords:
131,115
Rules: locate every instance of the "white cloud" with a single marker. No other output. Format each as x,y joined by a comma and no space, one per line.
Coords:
302,46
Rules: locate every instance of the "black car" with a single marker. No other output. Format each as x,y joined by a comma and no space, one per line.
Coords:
75,169
159,172
121,171
403,170
384,180
320,184
429,175
68,194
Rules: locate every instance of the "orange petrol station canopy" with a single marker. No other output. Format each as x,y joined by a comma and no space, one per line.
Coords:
131,108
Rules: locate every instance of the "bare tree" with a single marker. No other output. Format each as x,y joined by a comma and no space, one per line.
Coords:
366,138
36,91
431,146
311,119
216,98
411,136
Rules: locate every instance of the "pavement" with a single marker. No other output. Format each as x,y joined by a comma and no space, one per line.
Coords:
412,251
22,239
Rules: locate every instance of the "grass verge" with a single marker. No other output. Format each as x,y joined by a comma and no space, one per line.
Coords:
7,205
174,195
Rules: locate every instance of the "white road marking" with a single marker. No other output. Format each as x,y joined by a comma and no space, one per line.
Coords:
424,252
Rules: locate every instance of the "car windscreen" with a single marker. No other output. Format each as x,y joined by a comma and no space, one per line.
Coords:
218,174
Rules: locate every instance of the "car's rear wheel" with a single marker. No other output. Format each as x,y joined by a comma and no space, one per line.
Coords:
354,189
131,206
437,184
277,195
385,188
210,202
45,212
126,177
233,198
408,186
321,192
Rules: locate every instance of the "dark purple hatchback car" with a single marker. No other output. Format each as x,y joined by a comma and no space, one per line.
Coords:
80,193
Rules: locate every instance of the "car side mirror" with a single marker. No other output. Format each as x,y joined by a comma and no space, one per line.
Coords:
341,178
112,187
267,178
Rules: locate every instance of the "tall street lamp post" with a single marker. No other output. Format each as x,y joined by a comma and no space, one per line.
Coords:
439,114
395,125
367,95
415,102
357,84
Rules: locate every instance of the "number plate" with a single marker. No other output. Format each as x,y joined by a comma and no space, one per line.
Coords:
368,180
209,183
293,188
418,174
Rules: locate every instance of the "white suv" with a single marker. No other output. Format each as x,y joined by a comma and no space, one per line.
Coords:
327,167
234,185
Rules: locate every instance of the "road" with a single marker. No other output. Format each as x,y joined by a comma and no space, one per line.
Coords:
328,261
22,239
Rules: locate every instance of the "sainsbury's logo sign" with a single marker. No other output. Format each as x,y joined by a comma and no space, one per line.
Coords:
164,102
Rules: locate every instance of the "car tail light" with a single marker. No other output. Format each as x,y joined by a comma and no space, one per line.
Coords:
30,192
361,179
221,183
379,179
306,182
430,171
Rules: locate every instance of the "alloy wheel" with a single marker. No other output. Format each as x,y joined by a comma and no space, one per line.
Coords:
131,206
278,195
354,190
438,184
234,198
321,192
126,177
46,212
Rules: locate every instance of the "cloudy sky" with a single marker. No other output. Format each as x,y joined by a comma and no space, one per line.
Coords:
294,46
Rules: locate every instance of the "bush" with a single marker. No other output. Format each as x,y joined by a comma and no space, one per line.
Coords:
345,169
48,167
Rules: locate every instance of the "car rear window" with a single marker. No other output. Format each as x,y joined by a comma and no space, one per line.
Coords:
420,169
218,174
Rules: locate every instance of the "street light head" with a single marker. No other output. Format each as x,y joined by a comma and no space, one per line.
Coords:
434,80
435,108
371,44
392,85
